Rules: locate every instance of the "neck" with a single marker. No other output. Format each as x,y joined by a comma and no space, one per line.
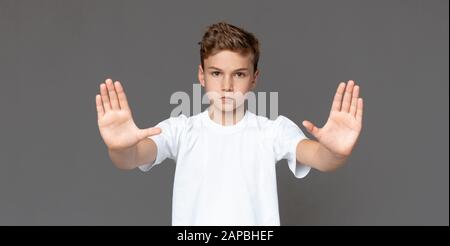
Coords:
226,118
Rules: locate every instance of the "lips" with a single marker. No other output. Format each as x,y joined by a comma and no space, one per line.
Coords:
227,99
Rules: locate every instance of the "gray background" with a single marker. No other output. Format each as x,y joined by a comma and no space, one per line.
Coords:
53,55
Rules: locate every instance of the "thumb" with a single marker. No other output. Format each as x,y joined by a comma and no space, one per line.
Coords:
311,127
145,133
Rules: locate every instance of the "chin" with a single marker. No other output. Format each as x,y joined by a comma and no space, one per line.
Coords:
226,108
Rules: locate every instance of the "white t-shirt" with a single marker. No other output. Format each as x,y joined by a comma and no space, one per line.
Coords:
225,175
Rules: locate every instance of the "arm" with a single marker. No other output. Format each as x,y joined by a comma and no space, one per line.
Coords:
143,152
315,155
128,146
337,138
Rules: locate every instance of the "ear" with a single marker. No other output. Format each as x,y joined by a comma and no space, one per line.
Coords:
201,75
255,79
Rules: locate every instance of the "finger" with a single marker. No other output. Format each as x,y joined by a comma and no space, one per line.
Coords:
144,133
112,95
347,96
359,110
311,127
336,106
123,102
105,97
354,102
98,103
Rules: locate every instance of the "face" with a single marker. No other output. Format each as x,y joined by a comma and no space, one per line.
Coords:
227,76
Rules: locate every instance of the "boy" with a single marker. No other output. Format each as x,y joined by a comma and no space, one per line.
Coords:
226,155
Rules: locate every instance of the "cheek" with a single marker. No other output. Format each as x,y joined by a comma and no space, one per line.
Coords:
212,91
211,86
243,87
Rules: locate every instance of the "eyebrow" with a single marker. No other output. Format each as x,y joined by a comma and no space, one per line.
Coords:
239,69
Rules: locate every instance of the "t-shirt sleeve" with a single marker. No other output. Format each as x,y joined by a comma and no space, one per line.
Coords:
287,136
168,141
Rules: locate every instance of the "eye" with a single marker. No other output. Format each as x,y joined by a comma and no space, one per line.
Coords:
215,73
240,75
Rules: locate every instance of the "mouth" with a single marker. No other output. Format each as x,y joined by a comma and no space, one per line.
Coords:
227,99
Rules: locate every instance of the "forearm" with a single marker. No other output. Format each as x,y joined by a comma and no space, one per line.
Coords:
142,153
124,158
327,160
314,154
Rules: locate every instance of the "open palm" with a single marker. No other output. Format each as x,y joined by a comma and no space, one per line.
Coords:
341,131
115,121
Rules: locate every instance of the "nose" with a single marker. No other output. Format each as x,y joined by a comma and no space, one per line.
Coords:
227,84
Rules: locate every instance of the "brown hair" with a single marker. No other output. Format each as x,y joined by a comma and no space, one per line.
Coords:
223,36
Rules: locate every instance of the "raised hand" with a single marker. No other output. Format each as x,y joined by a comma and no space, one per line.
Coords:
340,133
115,120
